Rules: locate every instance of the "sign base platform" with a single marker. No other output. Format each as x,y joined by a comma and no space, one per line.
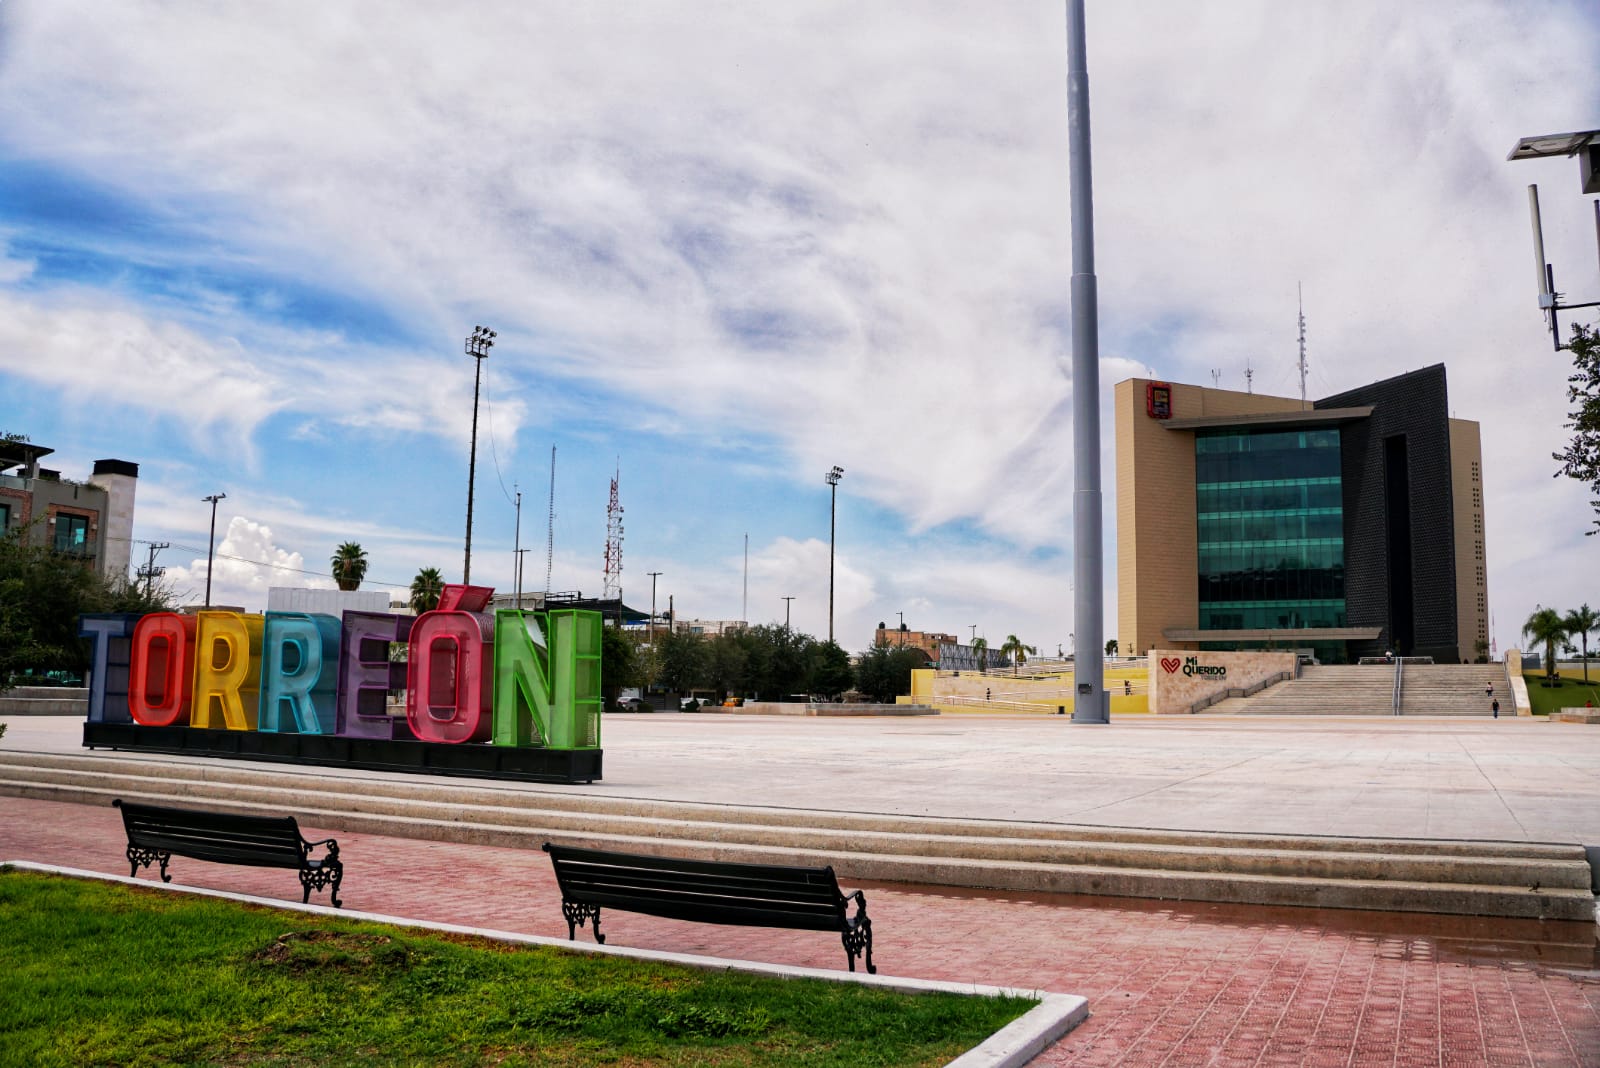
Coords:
367,754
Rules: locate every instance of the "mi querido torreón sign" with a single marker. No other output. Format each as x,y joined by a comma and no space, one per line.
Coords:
474,680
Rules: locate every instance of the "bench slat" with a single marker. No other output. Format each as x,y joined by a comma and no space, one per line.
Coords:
732,883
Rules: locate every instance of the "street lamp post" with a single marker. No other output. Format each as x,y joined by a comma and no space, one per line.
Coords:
212,544
653,576
1088,675
478,346
833,476
786,601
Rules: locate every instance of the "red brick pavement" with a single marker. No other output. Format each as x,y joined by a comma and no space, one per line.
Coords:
1168,984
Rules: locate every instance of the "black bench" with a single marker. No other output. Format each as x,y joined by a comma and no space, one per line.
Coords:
155,833
708,891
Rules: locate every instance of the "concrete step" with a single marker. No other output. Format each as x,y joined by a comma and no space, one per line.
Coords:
1050,845
1504,879
44,701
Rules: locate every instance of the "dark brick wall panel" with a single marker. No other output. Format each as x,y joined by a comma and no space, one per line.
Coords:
1415,404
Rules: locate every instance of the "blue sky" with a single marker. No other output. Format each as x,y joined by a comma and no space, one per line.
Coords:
727,247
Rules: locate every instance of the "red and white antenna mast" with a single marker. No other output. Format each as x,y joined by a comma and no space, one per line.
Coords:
613,582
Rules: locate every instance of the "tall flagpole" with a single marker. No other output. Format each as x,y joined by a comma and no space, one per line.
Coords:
1088,613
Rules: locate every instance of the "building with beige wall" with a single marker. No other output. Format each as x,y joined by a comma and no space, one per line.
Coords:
90,520
1347,526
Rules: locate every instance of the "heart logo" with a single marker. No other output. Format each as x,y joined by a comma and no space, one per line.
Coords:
1169,664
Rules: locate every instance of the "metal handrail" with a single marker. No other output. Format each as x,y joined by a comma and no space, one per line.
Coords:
1399,668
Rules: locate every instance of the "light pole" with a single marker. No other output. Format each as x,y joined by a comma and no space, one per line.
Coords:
1088,676
786,601
653,576
902,630
478,346
211,546
833,476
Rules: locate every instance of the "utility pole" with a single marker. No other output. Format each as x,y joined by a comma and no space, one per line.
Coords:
478,346
516,546
521,553
786,601
744,604
150,572
211,545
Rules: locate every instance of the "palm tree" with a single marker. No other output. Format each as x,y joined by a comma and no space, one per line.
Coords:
425,590
349,565
1547,628
1018,652
1111,647
980,649
1579,622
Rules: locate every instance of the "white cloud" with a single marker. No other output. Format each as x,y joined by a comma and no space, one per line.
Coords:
247,562
843,227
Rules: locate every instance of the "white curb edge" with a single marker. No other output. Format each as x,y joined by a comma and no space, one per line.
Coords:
1010,1047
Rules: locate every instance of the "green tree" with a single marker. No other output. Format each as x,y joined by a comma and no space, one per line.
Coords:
42,594
1578,623
349,565
1017,651
828,672
425,589
1111,647
1580,460
728,663
618,664
1547,628
884,672
980,649
685,661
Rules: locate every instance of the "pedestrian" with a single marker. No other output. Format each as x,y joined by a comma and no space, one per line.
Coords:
1127,687
986,693
1488,691
1495,704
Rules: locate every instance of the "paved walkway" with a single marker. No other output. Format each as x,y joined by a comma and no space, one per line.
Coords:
1168,984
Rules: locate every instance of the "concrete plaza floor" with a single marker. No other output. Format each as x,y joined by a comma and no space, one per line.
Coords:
1168,984
1439,777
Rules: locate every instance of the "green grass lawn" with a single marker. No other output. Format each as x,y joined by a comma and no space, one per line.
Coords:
104,974
1570,693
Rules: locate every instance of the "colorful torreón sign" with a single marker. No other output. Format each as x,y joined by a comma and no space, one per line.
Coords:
513,678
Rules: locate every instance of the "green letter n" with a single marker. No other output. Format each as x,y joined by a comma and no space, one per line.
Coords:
547,693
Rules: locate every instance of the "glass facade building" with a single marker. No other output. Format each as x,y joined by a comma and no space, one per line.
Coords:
1270,532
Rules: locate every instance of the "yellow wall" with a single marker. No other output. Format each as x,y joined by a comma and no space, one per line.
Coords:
1021,695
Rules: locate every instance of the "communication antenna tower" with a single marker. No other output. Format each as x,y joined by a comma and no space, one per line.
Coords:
613,583
1216,378
1585,145
1300,299
1249,373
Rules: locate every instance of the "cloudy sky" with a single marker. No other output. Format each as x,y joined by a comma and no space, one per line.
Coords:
727,246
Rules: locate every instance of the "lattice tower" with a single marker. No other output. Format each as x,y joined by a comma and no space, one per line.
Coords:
613,574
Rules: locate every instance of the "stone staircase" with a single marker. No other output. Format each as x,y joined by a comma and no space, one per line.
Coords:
1528,880
1323,690
1453,690
44,701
